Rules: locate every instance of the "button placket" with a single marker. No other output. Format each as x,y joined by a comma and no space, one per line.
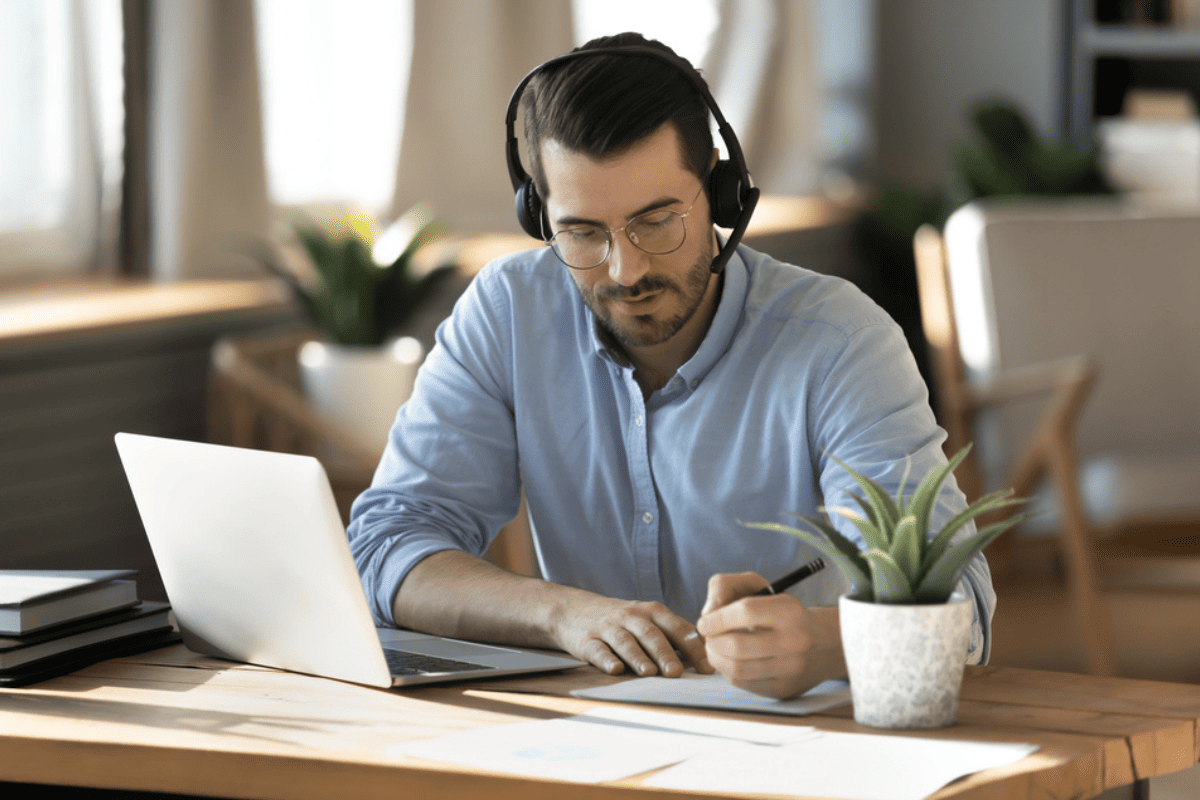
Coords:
645,498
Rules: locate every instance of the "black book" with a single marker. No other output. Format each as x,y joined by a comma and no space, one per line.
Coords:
16,652
72,660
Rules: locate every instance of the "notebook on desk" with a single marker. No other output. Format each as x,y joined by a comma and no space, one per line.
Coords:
257,567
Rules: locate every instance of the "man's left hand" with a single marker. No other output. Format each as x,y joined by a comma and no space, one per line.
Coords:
770,645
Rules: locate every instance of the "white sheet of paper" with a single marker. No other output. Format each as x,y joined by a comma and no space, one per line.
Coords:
602,745
713,691
754,732
853,766
562,749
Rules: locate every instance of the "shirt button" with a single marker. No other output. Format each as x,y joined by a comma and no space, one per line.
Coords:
638,421
647,518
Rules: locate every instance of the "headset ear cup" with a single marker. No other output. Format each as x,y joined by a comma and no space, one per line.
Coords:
529,210
725,194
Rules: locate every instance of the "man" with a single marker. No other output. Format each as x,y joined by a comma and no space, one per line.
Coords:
647,404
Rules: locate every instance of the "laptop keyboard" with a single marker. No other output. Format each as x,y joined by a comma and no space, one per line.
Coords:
402,663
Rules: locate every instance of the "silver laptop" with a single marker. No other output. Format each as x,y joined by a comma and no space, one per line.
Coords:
258,569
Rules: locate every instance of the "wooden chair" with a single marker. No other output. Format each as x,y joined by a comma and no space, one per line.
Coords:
1057,294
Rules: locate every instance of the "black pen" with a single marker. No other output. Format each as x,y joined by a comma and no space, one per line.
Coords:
794,577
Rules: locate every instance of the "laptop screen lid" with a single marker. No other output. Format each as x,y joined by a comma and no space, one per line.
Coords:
254,557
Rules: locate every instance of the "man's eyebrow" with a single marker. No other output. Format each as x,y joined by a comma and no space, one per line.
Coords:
653,205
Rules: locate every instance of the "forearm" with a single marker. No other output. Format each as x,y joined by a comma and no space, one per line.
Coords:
452,593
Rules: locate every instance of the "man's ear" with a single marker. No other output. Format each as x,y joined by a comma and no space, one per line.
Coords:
716,156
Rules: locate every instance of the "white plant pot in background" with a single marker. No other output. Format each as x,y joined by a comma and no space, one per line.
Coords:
905,661
361,388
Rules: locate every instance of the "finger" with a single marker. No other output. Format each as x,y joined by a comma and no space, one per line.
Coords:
741,615
773,677
693,650
597,653
725,588
758,644
684,640
660,644
628,648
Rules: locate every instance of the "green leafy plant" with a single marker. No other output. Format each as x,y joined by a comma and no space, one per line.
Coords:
348,293
902,563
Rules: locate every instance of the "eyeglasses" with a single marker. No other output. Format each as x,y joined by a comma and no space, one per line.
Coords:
656,232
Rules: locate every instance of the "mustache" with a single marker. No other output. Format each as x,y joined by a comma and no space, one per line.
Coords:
644,286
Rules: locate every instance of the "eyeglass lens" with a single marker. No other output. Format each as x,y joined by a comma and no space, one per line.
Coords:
587,246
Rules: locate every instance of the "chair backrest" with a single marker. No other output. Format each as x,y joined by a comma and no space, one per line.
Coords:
1034,281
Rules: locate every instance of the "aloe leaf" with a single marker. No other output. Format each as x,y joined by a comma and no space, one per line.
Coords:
850,563
885,507
888,581
983,505
871,535
926,494
882,509
869,510
906,549
943,575
848,547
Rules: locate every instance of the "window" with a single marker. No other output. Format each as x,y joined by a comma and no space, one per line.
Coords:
334,79
61,119
686,26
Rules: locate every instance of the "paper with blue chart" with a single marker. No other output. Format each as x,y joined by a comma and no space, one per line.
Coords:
714,754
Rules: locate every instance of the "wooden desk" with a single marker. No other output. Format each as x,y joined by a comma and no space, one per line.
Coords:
171,721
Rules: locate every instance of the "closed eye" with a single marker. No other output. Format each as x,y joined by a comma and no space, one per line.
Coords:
584,234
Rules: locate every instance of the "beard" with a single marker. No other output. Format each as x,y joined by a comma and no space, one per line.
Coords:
683,298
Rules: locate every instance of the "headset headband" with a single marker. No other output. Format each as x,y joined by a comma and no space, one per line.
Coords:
732,194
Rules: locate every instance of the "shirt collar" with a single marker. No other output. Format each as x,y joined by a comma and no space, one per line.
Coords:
724,324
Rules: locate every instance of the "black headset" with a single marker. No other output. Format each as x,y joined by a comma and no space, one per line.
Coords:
731,192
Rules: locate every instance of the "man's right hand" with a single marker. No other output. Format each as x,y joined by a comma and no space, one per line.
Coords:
452,593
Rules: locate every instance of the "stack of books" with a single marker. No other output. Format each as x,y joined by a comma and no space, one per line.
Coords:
56,621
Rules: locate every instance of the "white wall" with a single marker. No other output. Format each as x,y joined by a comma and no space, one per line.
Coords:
937,58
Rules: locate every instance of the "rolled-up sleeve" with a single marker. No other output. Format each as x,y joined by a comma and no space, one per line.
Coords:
872,412
448,478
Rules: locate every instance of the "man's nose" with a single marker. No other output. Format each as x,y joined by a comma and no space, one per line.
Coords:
626,263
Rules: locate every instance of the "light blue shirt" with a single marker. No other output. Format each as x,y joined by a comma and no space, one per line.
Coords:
637,499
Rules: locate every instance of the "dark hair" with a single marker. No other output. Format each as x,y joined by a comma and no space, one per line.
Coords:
602,106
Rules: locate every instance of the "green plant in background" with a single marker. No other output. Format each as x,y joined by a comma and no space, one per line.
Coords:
1008,160
364,284
902,563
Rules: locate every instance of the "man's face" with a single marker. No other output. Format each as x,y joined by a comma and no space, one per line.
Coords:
641,299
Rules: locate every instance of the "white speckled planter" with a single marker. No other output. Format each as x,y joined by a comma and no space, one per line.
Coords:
905,661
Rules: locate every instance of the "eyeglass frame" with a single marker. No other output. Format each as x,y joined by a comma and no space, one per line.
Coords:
610,232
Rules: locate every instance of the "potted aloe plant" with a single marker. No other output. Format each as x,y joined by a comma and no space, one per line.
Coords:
905,631
359,287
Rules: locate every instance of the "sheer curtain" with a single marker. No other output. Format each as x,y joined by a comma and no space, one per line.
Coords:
467,57
207,176
60,137
794,79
